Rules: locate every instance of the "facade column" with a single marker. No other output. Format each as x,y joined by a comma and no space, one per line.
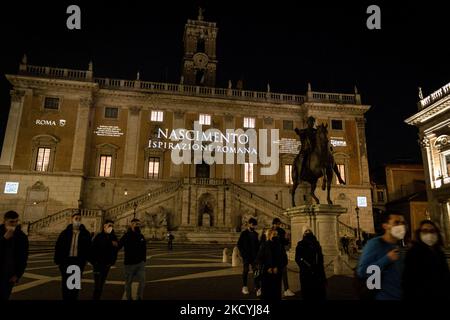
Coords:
12,129
132,142
362,148
176,170
81,135
428,170
185,205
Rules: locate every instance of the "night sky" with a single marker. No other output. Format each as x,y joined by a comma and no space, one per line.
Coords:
285,43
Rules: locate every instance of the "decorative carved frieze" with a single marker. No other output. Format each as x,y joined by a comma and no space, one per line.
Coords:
17,95
268,120
135,110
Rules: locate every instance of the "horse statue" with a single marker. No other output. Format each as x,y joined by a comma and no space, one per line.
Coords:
315,161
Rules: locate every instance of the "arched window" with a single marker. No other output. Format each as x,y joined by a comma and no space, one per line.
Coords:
43,153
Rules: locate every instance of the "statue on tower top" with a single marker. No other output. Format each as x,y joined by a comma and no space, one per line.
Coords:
200,14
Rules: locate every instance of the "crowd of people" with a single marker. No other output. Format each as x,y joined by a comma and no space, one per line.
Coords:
409,270
76,247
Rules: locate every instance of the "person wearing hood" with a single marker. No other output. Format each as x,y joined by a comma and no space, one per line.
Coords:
386,252
73,247
104,255
13,253
426,274
309,257
135,247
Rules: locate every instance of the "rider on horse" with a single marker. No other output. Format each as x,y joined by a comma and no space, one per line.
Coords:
307,140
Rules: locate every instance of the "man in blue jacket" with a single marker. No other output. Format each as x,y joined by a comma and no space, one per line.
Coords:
385,252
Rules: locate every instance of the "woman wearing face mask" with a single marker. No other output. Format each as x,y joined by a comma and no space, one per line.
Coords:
426,274
104,255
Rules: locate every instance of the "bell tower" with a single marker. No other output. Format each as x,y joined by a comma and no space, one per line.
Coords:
199,60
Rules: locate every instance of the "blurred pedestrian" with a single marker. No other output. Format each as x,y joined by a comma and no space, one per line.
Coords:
170,239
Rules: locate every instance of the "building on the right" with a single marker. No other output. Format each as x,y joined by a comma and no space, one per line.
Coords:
433,122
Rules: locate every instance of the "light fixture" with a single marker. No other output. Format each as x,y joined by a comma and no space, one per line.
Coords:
125,192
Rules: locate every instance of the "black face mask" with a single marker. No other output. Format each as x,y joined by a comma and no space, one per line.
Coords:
308,236
137,229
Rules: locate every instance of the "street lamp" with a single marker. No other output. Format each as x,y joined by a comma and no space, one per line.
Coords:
134,209
80,204
358,230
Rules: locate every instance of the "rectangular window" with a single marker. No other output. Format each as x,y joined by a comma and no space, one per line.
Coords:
153,167
288,174
249,122
43,159
51,103
248,172
111,113
105,166
288,125
157,116
336,124
341,168
205,119
380,195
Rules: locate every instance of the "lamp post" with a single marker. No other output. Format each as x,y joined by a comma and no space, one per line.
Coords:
358,230
80,204
134,209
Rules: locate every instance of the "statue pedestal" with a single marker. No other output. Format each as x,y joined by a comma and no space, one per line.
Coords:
323,220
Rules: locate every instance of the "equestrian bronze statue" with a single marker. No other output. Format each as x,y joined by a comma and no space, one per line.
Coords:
315,160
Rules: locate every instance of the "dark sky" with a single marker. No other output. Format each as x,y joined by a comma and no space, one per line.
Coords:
286,43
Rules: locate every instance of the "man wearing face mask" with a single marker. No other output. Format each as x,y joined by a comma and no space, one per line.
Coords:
73,247
104,255
13,253
135,257
385,252
426,274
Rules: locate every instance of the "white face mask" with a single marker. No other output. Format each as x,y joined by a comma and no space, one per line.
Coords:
398,232
429,239
109,230
10,228
76,224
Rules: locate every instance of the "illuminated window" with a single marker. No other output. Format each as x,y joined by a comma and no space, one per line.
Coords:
157,116
153,167
341,168
105,166
205,119
288,174
111,113
336,124
51,103
248,172
249,122
43,159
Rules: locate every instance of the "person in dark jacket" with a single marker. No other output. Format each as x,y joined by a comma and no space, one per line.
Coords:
426,274
73,247
271,259
248,245
13,253
309,258
135,257
104,255
276,225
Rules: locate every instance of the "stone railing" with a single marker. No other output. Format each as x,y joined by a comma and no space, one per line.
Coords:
116,210
333,98
172,88
345,229
45,222
438,94
60,73
249,196
205,181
